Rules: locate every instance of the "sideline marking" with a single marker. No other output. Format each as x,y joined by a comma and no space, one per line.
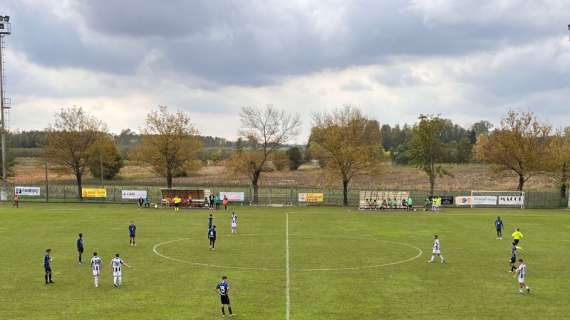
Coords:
287,273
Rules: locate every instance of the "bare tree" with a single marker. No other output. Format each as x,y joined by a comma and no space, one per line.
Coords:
169,144
69,141
266,130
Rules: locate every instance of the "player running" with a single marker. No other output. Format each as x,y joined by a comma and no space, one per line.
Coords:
96,268
499,227
132,232
517,236
47,266
223,288
520,275
212,237
234,222
513,260
117,263
80,248
436,250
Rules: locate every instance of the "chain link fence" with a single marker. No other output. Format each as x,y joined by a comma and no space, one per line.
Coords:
268,196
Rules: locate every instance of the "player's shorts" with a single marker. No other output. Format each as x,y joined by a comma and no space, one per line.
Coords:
117,274
225,299
516,241
436,251
513,259
80,250
47,269
96,272
234,225
132,235
521,280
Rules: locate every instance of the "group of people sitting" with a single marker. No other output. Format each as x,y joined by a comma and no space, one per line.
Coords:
213,202
386,204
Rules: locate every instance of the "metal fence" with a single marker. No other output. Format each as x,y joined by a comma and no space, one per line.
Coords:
268,196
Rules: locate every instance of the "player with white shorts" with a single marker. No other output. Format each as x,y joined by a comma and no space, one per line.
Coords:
117,264
96,268
234,222
520,275
436,250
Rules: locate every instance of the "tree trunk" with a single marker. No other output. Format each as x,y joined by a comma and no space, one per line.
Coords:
255,187
431,183
78,178
521,183
563,181
345,193
168,179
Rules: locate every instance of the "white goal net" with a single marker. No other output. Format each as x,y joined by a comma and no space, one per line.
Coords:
497,199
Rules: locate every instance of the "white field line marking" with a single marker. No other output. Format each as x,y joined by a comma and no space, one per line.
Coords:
287,273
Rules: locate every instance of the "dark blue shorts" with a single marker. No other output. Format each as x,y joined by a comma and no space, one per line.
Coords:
47,269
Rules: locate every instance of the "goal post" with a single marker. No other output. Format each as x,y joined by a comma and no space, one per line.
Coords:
497,199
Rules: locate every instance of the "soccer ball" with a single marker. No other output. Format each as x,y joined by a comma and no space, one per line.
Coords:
156,206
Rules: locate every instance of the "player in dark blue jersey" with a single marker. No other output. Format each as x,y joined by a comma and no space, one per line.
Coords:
132,232
210,221
212,237
47,266
223,288
499,227
513,259
80,247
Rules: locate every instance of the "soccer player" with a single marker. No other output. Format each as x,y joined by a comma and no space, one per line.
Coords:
499,227
212,237
96,268
234,222
80,247
520,275
210,221
517,236
223,288
117,263
16,201
132,232
47,266
436,250
513,261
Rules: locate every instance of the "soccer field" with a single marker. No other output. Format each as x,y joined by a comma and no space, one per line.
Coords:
284,263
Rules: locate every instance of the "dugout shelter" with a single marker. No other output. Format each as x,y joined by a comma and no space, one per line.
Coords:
191,198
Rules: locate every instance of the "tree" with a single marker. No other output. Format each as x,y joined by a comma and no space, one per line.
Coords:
519,146
104,153
427,149
169,144
295,155
69,141
265,130
349,144
558,161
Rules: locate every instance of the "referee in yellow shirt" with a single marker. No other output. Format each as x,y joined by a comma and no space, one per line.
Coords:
517,236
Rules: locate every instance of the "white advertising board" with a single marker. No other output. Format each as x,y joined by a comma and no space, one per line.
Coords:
27,191
511,200
484,200
233,196
133,194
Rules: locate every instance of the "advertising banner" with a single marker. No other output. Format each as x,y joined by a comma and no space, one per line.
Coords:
485,200
233,196
463,201
27,191
94,193
133,194
311,197
511,200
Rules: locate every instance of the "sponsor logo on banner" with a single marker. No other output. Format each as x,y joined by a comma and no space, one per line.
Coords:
233,196
94,193
511,200
463,201
133,194
311,197
27,191
485,200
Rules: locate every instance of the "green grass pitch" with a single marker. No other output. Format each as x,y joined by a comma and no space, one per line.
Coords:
343,264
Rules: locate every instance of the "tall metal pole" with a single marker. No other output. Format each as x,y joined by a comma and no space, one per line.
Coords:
4,191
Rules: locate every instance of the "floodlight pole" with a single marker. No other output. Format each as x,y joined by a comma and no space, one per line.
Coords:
4,30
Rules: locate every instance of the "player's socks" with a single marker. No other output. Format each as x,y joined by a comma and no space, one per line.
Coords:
46,276
96,282
223,311
230,310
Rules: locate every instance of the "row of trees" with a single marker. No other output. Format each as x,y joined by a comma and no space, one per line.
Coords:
345,142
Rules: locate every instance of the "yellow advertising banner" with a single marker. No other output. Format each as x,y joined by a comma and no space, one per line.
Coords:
315,197
94,193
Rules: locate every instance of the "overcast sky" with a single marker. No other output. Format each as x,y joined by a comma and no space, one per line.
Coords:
466,60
